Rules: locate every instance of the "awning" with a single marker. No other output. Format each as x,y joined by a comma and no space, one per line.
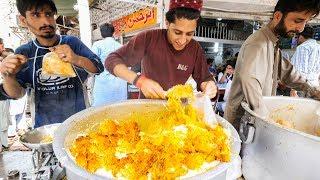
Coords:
260,10
66,7
254,6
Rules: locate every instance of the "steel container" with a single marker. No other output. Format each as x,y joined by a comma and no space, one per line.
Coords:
32,139
85,120
271,151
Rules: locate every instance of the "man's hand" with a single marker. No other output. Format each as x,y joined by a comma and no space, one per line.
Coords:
209,88
12,64
150,88
66,53
293,93
9,67
227,72
315,93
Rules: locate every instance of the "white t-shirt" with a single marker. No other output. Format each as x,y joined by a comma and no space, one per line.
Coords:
220,76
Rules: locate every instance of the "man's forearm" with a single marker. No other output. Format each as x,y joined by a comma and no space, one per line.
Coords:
123,72
12,88
86,64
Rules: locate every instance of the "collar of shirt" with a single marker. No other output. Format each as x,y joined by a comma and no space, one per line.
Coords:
108,38
268,32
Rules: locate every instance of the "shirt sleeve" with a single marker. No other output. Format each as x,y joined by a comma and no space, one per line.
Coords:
201,71
252,74
299,59
130,54
3,94
82,50
291,77
24,76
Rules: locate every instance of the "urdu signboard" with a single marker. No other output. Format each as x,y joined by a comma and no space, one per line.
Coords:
138,20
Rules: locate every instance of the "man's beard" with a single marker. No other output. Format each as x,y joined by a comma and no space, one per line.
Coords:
48,35
282,31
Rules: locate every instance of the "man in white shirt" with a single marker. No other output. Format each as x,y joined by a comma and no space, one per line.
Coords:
306,58
107,87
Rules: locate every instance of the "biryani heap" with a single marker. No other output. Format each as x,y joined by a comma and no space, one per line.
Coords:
166,147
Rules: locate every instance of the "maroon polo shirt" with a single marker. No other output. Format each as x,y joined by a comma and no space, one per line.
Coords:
160,61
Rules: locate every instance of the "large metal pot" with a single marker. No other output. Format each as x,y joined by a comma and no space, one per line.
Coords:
272,151
86,119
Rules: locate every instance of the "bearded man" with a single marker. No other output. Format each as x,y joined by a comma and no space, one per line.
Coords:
259,65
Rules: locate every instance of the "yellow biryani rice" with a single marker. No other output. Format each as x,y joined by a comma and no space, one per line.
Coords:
167,146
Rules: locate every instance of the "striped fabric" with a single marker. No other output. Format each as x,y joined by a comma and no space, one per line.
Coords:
307,61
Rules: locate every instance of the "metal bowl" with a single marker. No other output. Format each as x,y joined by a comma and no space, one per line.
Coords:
33,138
85,120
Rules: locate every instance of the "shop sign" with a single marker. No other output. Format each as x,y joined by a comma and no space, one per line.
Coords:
138,20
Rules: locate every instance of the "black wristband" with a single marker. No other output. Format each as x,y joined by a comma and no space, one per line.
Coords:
136,79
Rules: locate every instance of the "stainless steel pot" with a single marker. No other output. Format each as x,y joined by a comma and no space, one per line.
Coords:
271,151
32,139
85,120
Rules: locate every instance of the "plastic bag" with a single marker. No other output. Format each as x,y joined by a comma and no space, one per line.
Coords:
53,65
317,126
203,105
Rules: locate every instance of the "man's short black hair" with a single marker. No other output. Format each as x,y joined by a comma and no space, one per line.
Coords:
287,6
209,61
26,5
181,12
232,63
1,41
106,30
308,32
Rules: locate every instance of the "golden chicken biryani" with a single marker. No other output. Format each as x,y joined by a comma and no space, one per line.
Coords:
168,146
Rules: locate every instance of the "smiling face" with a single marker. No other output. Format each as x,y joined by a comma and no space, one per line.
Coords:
291,24
40,22
180,32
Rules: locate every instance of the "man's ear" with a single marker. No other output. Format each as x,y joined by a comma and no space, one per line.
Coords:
23,21
167,24
277,16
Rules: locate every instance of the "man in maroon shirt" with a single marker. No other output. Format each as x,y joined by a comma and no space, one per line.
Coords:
168,56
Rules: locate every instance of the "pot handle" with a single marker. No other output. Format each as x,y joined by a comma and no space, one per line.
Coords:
247,128
246,107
